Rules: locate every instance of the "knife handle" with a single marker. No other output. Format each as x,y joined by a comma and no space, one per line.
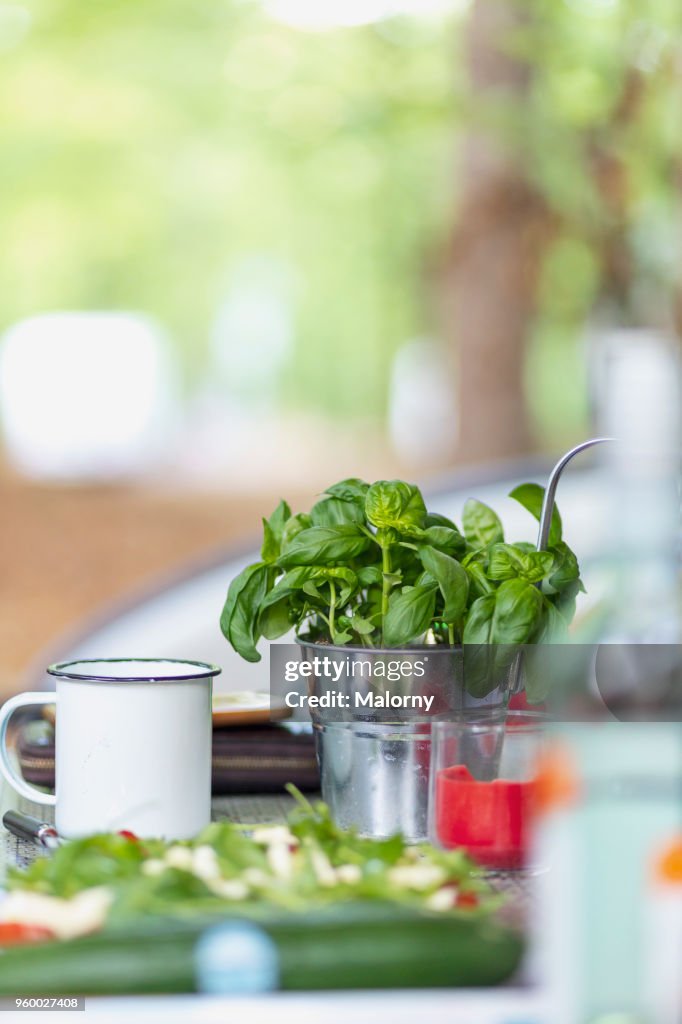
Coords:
26,827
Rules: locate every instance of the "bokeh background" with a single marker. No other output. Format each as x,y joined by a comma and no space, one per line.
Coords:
253,246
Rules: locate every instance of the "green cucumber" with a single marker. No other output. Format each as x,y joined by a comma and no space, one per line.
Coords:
343,948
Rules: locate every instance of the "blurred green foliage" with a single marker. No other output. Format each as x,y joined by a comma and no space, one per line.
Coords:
148,148
599,136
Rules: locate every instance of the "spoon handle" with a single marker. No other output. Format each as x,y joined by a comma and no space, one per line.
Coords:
552,484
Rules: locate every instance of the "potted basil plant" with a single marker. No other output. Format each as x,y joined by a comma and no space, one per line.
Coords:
369,574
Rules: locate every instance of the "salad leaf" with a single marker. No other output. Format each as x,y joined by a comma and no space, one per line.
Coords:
308,862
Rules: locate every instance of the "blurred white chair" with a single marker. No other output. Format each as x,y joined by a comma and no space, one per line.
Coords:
86,395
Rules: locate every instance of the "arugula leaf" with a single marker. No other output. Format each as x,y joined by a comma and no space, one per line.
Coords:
310,839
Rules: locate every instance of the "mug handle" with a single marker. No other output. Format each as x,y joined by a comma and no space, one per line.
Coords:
25,789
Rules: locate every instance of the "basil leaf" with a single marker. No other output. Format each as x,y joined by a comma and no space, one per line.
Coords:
479,624
479,584
539,666
395,504
293,527
350,489
273,530
565,600
276,620
324,545
508,561
518,605
336,511
479,665
553,628
362,626
278,609
239,620
451,578
369,575
496,625
565,568
274,613
279,517
531,497
482,526
409,615
236,586
269,551
346,576
445,539
436,519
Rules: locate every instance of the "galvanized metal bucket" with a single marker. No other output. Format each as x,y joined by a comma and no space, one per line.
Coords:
374,763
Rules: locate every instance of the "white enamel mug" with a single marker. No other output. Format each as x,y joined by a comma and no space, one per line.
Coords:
133,746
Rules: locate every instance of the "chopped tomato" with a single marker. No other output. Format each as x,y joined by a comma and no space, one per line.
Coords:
14,933
467,899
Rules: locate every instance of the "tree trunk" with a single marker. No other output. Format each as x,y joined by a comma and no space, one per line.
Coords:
502,230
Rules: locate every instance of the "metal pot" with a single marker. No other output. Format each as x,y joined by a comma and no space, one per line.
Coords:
374,761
